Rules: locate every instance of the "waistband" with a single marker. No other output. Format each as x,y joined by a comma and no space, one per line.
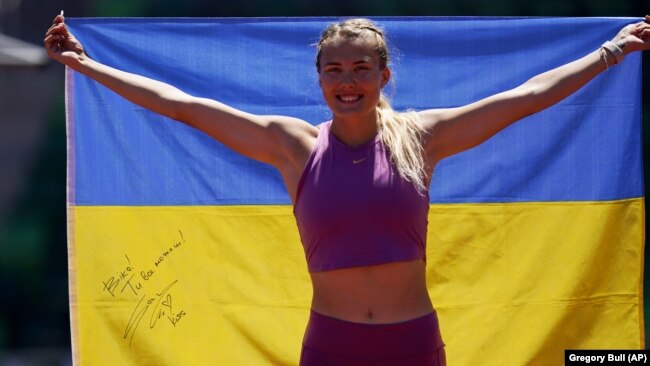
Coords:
413,337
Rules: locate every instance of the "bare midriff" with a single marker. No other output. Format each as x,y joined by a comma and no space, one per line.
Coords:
381,294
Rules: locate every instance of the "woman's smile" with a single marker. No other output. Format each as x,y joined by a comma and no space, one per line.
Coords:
349,98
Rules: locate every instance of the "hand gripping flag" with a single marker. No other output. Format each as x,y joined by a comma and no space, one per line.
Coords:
182,252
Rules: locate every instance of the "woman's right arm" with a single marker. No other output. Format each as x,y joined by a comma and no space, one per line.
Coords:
270,139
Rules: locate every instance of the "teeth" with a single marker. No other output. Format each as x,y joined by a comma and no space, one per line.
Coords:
350,98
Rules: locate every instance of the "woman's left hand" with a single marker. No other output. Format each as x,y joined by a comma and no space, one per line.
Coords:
634,37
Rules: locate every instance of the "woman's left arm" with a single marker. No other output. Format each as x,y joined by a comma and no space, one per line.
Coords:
457,129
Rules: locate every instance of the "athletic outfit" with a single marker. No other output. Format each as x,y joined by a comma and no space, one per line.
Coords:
354,209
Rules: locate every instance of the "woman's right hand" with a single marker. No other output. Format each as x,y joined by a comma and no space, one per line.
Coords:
61,45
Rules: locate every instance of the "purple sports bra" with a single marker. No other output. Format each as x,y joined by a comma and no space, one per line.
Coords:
354,209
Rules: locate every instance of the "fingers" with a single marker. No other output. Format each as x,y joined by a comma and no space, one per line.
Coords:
638,27
58,19
58,29
51,28
645,34
643,31
52,44
55,29
54,38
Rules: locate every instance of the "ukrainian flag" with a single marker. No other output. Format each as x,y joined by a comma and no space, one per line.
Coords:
182,252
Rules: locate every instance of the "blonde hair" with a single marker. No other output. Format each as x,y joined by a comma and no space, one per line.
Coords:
401,132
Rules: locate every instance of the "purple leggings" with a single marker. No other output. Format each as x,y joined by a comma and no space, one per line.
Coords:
330,341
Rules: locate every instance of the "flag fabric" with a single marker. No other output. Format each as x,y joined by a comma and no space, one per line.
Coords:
182,252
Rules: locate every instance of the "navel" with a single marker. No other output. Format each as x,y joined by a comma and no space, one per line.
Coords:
369,315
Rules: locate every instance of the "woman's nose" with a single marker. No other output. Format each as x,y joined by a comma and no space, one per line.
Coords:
347,78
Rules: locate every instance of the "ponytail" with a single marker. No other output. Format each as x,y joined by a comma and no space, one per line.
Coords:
402,134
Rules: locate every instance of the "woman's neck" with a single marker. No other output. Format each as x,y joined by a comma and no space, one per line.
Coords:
355,131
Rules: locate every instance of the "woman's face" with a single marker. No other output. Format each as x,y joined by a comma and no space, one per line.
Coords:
350,76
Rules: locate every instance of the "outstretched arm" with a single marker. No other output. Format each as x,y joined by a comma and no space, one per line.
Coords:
457,129
270,139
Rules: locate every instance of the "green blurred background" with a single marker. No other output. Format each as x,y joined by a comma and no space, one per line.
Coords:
34,323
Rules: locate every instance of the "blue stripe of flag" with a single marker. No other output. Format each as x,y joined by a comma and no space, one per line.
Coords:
585,148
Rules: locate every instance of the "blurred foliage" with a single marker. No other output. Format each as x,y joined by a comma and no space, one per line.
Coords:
247,8
115,8
33,255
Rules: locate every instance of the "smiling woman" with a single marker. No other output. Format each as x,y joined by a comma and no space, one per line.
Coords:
367,164
352,60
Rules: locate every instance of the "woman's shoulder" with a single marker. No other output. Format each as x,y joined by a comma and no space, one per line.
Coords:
292,127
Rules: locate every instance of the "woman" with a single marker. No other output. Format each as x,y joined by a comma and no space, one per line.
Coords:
370,302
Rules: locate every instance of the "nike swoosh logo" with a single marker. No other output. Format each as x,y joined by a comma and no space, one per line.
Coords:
355,161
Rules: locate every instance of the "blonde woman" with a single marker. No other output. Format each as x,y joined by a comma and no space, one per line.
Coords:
359,183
